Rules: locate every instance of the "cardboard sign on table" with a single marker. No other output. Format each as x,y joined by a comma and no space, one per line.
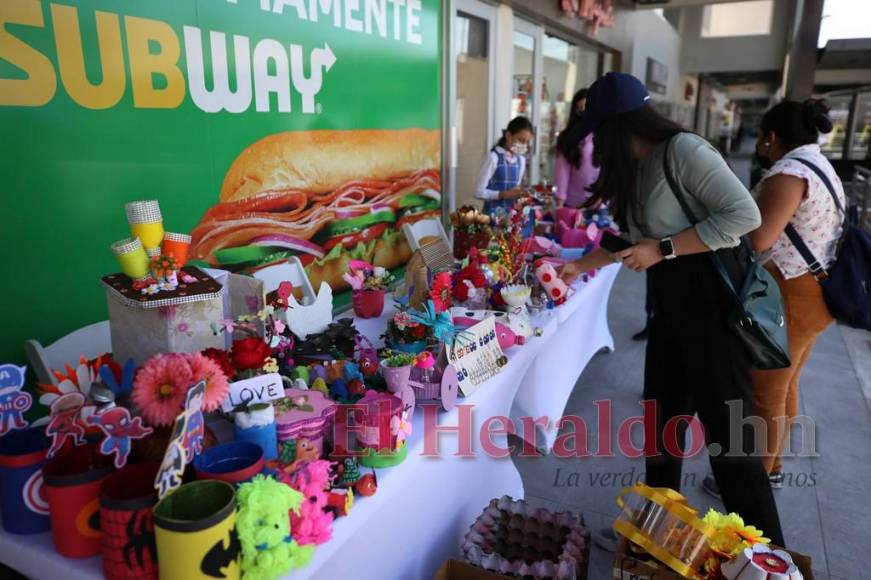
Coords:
259,389
476,355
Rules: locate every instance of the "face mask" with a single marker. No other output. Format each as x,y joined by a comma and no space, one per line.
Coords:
519,148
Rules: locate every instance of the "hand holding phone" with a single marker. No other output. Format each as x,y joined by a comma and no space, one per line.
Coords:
613,243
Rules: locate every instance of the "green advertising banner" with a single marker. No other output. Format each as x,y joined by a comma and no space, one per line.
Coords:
265,128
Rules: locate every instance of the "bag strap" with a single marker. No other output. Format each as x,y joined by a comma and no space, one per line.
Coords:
678,193
816,269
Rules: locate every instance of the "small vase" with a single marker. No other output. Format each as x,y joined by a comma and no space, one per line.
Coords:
368,303
395,377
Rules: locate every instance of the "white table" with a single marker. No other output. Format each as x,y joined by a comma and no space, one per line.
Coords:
425,505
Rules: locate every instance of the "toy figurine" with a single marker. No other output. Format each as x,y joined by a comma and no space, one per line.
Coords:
195,426
295,453
13,402
268,549
339,390
319,384
340,501
356,387
368,366
367,485
352,371
311,524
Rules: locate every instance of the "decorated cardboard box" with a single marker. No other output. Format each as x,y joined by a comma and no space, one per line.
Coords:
633,563
305,414
179,320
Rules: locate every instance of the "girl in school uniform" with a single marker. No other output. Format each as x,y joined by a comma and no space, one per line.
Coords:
502,171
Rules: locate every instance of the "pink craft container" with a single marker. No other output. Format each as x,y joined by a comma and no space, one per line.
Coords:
315,424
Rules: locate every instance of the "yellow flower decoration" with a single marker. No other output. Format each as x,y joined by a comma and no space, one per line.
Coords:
270,365
731,534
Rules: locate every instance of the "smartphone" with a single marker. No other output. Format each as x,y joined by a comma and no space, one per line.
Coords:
614,243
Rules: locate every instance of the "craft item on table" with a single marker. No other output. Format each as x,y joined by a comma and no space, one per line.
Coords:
127,499
233,462
298,384
440,294
439,321
542,246
23,507
470,284
660,521
367,485
256,423
174,461
435,381
347,471
729,538
400,428
339,391
68,418
72,483
366,355
312,319
465,318
172,321
340,501
415,290
312,524
120,430
176,245
120,379
13,402
295,454
371,420
195,424
258,389
146,222
195,532
476,356
351,371
396,370
471,230
336,341
305,414
320,385
512,538
566,218
269,550
519,321
335,370
557,289
368,285
132,259
761,562
436,254
405,334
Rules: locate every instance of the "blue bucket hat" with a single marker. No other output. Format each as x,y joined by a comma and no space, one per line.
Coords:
611,95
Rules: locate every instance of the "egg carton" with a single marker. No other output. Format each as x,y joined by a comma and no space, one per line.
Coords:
512,538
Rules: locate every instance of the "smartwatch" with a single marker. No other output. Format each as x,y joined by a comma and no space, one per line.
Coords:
666,247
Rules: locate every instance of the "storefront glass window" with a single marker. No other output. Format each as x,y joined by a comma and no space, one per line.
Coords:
832,144
567,68
861,127
522,101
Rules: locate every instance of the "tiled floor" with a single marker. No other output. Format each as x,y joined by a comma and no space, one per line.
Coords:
825,513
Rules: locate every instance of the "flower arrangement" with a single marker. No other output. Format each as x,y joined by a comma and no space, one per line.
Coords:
731,537
402,330
471,281
362,275
161,384
469,219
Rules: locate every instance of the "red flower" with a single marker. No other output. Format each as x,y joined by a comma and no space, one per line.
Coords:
441,291
250,353
222,357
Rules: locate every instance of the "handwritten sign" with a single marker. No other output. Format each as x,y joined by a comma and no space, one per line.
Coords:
259,389
476,355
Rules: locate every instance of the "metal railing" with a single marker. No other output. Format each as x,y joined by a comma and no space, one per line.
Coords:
858,192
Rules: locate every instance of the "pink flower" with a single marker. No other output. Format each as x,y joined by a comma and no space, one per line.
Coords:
160,386
205,369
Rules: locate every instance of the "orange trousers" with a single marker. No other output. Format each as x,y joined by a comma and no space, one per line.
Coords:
775,393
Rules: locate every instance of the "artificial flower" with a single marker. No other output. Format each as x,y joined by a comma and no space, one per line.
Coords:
270,365
75,379
204,368
266,313
222,358
731,535
354,279
249,353
160,386
441,291
400,428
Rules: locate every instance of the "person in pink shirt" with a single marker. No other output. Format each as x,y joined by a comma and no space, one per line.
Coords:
574,171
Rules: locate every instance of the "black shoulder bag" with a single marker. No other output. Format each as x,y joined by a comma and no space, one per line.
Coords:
757,318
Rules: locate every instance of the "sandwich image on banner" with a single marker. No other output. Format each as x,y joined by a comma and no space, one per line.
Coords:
327,197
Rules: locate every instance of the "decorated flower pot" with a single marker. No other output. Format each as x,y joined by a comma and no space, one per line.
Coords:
72,486
22,500
257,425
127,498
195,532
415,347
232,462
368,303
306,415
395,377
383,443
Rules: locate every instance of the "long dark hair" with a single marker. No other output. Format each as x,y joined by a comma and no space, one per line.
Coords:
568,142
515,126
797,124
612,142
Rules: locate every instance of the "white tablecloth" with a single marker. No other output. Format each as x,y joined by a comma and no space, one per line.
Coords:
425,505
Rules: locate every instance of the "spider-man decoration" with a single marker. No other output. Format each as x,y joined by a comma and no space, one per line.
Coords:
129,549
120,428
66,421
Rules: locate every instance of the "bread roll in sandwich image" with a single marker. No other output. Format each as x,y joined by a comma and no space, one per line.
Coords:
327,197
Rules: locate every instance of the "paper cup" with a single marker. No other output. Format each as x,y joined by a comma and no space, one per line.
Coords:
132,258
395,377
72,486
195,529
177,246
146,222
234,462
23,505
127,498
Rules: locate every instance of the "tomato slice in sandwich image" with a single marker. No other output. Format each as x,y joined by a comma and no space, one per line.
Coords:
326,197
